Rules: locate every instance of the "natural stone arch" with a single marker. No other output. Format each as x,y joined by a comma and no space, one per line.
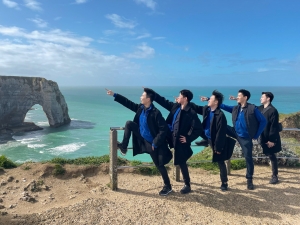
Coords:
19,94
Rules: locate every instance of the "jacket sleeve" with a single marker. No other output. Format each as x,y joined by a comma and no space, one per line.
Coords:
163,102
197,108
262,122
195,130
274,130
162,130
221,134
126,102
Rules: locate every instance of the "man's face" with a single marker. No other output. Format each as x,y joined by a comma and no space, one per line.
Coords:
212,102
181,99
241,98
144,99
264,99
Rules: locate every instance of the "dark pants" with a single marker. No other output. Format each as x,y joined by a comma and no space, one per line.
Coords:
185,173
134,128
274,164
247,146
222,166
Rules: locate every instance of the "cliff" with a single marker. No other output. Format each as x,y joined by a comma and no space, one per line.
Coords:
19,94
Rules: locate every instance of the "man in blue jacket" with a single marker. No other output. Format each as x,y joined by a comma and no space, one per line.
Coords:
149,133
248,124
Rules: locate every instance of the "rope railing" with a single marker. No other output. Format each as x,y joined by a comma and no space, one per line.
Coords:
113,158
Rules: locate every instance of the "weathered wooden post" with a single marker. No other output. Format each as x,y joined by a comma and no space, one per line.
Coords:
113,157
176,169
228,166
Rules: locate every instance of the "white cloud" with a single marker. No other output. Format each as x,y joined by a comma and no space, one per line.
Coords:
80,1
39,22
10,4
60,56
149,3
120,22
33,5
143,51
55,36
146,35
158,38
109,32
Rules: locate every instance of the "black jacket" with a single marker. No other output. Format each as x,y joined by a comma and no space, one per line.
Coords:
271,131
158,129
218,128
189,127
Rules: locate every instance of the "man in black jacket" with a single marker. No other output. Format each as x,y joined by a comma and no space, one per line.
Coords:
149,133
270,138
185,127
215,126
248,124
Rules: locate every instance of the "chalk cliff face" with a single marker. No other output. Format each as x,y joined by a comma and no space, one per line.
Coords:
19,94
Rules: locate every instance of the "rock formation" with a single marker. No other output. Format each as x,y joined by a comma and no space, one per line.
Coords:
19,94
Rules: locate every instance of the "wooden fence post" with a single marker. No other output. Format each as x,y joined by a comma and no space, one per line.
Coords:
113,157
228,166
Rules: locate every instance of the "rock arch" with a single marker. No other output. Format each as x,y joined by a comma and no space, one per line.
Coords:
19,94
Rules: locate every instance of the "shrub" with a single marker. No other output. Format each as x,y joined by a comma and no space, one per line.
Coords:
237,164
6,163
58,170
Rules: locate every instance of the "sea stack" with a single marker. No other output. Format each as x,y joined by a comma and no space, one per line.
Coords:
19,94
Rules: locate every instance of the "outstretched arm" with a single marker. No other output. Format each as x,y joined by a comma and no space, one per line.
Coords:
123,101
262,122
163,101
227,108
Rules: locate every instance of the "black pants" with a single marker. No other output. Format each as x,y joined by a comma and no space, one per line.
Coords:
222,166
185,173
247,146
274,164
223,171
134,128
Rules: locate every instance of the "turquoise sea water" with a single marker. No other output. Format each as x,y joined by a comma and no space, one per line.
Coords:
93,113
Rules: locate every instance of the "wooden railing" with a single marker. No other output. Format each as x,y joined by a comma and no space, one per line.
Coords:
113,157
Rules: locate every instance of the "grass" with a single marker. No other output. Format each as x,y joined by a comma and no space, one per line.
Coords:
206,155
282,116
58,170
6,163
145,170
92,160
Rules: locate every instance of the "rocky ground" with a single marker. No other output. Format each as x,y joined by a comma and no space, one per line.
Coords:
30,194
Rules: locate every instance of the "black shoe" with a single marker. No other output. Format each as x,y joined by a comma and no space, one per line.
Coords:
274,180
186,189
224,187
202,143
122,150
250,185
166,190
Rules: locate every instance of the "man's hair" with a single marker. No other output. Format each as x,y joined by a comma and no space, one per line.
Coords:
268,95
219,96
187,93
149,93
245,93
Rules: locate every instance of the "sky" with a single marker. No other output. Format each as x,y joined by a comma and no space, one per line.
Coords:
151,42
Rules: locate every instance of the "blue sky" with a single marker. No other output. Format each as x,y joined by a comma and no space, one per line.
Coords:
151,42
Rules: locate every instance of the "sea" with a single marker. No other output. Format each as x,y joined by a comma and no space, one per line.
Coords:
93,112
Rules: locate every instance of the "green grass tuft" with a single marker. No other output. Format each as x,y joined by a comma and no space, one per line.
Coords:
6,163
58,170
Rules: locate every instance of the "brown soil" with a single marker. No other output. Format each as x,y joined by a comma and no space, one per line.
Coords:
82,196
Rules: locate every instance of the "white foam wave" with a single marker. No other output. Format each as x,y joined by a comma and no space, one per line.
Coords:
67,148
34,146
28,140
43,123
